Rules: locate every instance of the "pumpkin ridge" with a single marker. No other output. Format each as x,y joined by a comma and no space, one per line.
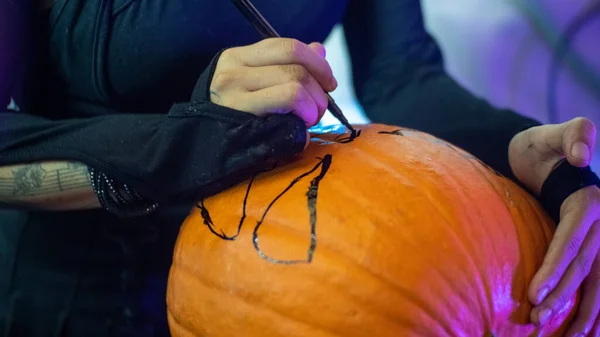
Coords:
482,172
502,184
541,215
371,274
407,293
448,173
180,324
467,251
525,271
358,269
260,304
322,274
525,235
368,272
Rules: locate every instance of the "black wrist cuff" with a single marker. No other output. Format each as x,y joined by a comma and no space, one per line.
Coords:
563,181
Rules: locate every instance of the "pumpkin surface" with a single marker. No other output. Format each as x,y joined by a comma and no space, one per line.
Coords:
393,233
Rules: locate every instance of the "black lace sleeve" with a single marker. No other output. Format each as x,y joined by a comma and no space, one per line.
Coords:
195,150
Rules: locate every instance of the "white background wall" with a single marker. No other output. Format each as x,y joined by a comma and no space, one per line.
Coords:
493,49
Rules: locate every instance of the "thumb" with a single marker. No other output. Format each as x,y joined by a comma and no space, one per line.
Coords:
578,141
318,48
574,140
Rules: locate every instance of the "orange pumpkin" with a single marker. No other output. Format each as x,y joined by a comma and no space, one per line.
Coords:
393,233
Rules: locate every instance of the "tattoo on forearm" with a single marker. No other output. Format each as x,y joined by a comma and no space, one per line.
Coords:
28,179
39,179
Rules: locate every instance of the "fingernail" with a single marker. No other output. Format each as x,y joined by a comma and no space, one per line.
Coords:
579,335
581,150
544,315
320,49
542,294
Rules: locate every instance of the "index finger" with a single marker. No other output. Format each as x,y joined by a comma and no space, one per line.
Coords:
283,51
569,236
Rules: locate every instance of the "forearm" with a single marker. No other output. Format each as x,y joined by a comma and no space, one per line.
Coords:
399,78
440,106
195,150
50,185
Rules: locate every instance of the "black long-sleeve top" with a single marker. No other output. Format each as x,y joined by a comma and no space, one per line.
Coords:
107,71
121,61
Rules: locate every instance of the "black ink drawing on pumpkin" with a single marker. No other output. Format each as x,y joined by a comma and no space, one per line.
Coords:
397,132
312,193
344,138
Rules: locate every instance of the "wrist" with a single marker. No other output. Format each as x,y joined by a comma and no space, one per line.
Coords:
563,183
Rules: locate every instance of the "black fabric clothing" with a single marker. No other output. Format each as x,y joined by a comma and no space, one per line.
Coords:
114,86
85,274
163,157
399,77
15,31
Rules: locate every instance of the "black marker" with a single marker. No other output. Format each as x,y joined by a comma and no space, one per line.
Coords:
266,30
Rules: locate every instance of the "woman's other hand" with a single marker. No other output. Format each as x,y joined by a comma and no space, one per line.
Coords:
573,258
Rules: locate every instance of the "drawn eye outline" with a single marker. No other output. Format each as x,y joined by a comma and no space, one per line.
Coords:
323,164
345,138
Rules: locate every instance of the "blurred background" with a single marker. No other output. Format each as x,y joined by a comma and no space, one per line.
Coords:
505,51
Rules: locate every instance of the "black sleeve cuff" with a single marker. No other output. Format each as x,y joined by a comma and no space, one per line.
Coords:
563,181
